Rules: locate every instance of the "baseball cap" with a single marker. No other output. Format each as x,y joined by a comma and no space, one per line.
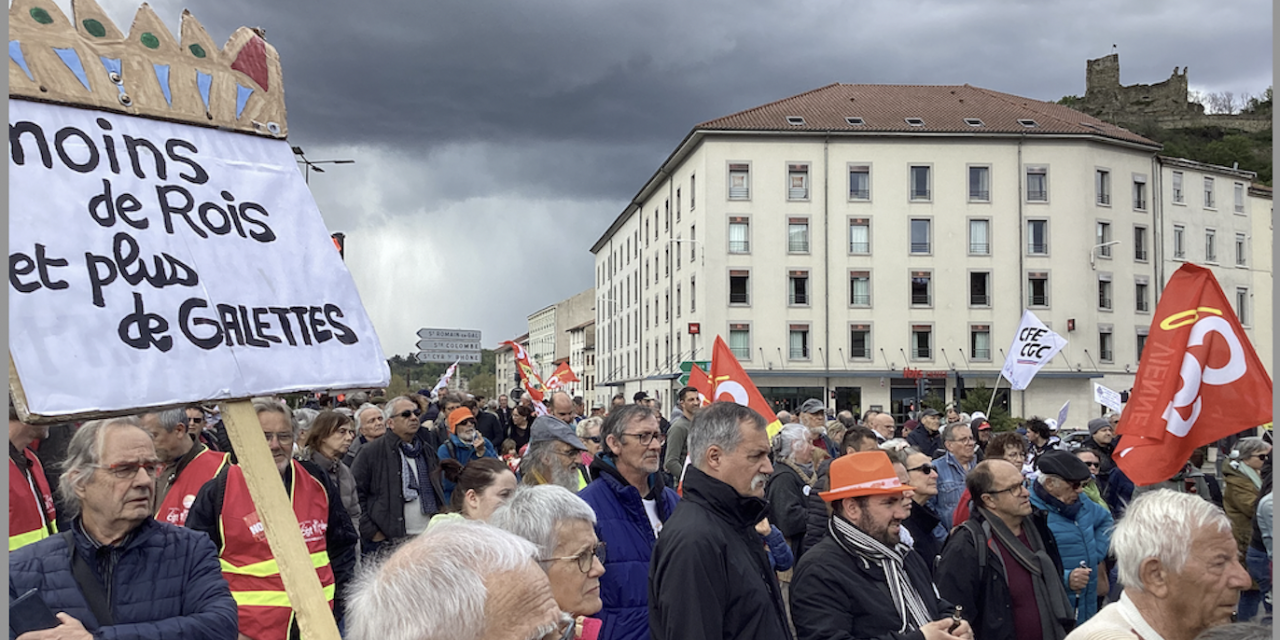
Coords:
865,473
640,395
979,424
929,412
546,428
813,405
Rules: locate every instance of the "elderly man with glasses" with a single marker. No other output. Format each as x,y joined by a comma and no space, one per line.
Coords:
398,479
1081,528
562,527
1002,565
952,469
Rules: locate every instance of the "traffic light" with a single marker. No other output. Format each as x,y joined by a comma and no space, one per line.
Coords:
340,241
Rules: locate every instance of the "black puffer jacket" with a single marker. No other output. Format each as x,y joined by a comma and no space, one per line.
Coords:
816,507
710,578
921,524
838,596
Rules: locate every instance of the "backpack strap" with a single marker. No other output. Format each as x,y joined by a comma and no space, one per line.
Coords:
94,593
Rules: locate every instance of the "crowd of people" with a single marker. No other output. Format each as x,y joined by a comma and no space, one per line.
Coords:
442,515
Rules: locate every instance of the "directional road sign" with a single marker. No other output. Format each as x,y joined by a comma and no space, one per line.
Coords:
687,366
465,357
449,345
449,334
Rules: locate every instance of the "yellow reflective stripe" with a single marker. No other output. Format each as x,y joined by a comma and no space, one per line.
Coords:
270,598
269,567
24,539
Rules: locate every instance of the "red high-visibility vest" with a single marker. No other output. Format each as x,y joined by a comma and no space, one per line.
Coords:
31,516
247,562
202,468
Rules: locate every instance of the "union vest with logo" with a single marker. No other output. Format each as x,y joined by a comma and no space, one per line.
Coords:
247,562
202,468
26,524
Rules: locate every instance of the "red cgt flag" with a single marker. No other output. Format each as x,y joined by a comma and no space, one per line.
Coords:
732,384
1199,380
562,376
698,379
532,383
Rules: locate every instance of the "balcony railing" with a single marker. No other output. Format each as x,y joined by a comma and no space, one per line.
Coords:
1037,247
1037,195
860,247
798,246
919,247
919,194
860,194
1104,198
979,300
1104,302
859,353
979,194
982,354
860,299
738,297
739,246
979,248
798,298
1039,300
920,298
922,354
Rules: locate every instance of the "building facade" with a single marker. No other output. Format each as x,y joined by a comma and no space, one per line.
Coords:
582,359
848,240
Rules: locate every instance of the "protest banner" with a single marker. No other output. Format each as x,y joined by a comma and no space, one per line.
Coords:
1033,346
164,248
1109,398
732,384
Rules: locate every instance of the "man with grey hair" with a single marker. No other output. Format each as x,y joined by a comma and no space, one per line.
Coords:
398,479
370,425
952,468
151,579
226,512
496,589
188,463
553,456
710,577
1177,561
813,415
791,483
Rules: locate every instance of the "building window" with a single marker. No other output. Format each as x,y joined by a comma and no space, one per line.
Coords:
1102,237
860,288
1104,292
679,300
797,182
693,243
1038,289
1140,193
1208,193
1140,244
1106,345
666,210
739,235
921,289
921,342
1037,184
1141,297
666,261
1038,237
693,191
739,181
860,342
860,236
1102,185
979,184
1210,245
1240,240
677,205
798,235
1141,343
859,182
1239,197
1177,187
739,287
920,235
980,342
920,182
980,237
798,288
740,341
798,342
693,294
1179,242
979,288
1242,306
678,254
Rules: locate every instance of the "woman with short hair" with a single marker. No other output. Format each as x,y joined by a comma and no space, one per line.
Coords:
326,443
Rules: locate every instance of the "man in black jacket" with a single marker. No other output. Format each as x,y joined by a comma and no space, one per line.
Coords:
1002,565
861,581
710,577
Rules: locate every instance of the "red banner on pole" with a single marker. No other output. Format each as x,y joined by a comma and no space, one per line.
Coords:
732,384
532,383
1199,380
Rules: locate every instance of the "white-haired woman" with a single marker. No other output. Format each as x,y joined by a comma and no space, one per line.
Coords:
790,485
562,526
1241,480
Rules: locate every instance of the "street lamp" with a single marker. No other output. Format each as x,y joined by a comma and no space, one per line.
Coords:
1094,251
310,165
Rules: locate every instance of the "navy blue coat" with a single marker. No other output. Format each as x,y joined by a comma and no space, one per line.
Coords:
166,584
623,525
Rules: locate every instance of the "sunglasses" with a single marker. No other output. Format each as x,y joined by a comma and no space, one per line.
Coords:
595,439
408,412
925,468
467,421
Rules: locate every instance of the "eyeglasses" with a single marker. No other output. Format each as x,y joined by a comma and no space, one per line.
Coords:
126,470
197,420
1263,456
572,453
584,558
647,437
595,439
408,412
1014,490
284,438
925,468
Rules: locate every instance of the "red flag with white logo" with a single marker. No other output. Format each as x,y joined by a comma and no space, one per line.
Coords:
562,376
698,379
532,382
1199,380
731,384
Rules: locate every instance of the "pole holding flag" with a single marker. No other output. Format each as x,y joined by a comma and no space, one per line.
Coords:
1199,380
444,379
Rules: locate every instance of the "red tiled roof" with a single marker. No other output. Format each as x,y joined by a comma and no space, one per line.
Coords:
884,108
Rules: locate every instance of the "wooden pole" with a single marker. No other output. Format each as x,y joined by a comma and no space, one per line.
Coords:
993,396
315,620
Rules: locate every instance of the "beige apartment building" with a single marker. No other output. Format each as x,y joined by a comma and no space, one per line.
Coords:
846,241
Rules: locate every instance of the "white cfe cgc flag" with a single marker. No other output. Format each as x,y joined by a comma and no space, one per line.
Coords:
1033,346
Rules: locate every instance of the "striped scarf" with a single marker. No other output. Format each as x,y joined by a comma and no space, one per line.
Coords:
906,599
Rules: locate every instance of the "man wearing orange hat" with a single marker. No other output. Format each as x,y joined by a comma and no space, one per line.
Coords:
861,581
464,444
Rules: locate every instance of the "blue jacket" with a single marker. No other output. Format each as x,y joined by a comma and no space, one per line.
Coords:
623,525
1084,538
463,453
166,584
950,486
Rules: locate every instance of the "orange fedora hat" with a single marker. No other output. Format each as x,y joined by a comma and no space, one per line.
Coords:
866,473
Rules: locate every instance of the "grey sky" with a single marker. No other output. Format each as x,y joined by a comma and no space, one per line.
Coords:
495,141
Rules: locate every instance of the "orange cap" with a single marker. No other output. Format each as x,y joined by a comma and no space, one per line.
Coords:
458,415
